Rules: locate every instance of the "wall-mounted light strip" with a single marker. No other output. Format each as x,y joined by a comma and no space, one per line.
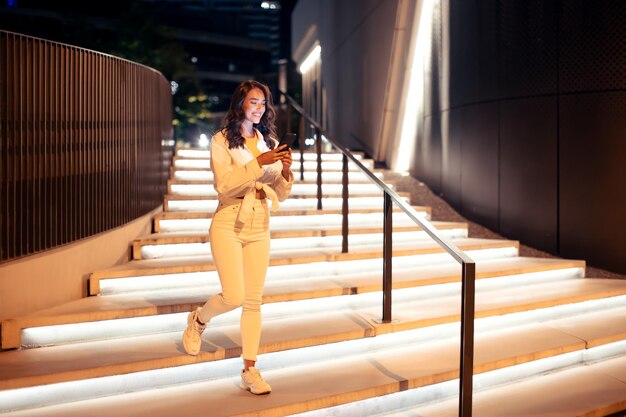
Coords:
309,61
413,108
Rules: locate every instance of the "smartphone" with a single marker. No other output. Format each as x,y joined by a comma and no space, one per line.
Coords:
288,140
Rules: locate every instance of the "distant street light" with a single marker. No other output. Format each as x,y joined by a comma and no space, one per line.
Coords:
203,142
270,5
174,86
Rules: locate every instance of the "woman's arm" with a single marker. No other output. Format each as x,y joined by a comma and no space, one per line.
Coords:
282,177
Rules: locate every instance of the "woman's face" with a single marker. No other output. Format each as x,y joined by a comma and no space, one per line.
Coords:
254,105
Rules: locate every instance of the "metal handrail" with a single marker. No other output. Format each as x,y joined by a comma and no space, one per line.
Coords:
451,248
468,267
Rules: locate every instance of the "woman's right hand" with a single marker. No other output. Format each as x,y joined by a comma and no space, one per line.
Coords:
270,157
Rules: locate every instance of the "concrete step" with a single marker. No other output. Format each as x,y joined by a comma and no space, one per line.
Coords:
197,153
201,153
298,190
205,164
306,194
158,305
357,369
159,302
195,243
198,220
189,264
288,284
197,234
593,388
327,279
309,176
305,246
291,204
586,382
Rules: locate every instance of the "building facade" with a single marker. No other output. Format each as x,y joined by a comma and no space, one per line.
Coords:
511,110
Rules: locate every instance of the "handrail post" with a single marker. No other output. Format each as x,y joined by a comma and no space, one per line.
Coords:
344,204
466,369
318,146
302,145
387,257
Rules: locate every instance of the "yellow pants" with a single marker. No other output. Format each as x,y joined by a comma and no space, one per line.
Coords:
241,256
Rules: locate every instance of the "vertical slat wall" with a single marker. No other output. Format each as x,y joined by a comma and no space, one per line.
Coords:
81,137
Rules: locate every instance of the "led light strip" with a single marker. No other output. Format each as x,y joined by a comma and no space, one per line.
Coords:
366,302
308,156
184,175
289,204
155,282
294,246
298,188
281,223
193,153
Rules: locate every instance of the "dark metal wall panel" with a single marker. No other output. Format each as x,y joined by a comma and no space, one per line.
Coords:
593,178
433,67
427,166
479,164
473,49
528,171
433,163
527,47
451,157
537,53
592,45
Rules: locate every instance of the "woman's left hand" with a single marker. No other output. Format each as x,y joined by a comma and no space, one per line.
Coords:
287,161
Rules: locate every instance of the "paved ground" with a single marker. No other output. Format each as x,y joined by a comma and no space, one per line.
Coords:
423,196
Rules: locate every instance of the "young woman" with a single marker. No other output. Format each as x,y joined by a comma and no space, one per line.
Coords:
248,170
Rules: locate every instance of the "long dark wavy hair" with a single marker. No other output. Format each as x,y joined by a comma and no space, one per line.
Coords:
231,125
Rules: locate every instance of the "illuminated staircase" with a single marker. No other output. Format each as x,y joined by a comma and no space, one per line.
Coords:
548,342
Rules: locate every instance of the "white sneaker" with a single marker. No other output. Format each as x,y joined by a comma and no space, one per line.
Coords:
252,381
192,338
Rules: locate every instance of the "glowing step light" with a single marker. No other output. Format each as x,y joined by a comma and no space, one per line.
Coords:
308,165
308,156
184,175
282,223
308,271
297,189
302,246
331,203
